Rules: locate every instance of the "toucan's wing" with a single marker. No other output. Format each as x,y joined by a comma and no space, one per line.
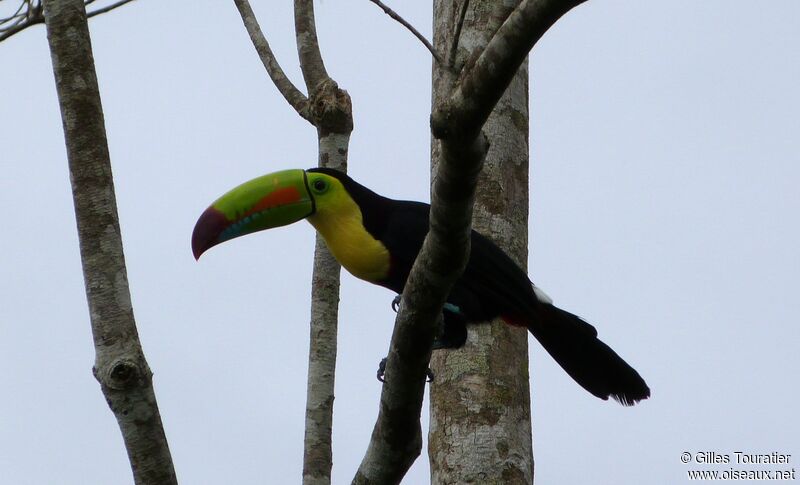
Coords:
492,282
403,228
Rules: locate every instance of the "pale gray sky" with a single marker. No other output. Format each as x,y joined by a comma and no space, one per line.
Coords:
665,193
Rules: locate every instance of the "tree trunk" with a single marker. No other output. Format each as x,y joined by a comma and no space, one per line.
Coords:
120,366
480,429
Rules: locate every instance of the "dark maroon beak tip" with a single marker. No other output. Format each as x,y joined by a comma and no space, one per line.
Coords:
207,230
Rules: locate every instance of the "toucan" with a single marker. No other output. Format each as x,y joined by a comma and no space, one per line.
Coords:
377,240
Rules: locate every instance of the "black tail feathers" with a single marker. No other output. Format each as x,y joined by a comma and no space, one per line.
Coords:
573,343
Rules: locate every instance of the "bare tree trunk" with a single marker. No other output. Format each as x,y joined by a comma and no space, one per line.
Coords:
480,428
120,366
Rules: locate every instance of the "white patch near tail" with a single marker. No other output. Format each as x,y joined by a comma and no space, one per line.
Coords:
541,295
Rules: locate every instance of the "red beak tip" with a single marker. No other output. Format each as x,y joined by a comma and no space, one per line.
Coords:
208,228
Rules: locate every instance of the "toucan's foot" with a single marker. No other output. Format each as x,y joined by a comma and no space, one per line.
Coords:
448,307
381,374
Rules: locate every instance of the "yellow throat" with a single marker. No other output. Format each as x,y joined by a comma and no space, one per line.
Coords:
340,222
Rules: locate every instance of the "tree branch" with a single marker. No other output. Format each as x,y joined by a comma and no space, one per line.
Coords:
451,56
305,29
391,13
34,16
105,9
15,18
120,366
396,441
293,96
396,438
481,86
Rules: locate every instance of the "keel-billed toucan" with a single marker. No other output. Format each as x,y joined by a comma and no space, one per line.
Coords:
377,239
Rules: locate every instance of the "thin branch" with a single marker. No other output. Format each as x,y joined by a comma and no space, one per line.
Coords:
305,30
451,57
293,96
18,27
34,16
391,13
477,92
16,14
105,9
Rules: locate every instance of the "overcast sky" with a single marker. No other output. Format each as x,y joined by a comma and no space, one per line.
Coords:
665,188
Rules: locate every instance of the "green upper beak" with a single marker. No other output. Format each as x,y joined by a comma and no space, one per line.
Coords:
273,200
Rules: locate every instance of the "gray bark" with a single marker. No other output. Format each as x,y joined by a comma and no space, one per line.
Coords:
305,30
120,366
318,448
480,429
331,113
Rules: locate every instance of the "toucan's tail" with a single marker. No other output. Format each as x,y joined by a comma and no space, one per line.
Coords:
573,343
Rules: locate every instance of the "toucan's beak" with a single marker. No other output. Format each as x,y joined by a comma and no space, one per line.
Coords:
273,200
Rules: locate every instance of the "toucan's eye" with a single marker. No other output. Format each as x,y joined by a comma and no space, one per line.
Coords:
319,186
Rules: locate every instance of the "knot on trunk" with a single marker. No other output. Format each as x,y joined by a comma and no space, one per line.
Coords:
331,109
123,373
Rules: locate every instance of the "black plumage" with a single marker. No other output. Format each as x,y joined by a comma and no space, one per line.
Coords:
493,285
